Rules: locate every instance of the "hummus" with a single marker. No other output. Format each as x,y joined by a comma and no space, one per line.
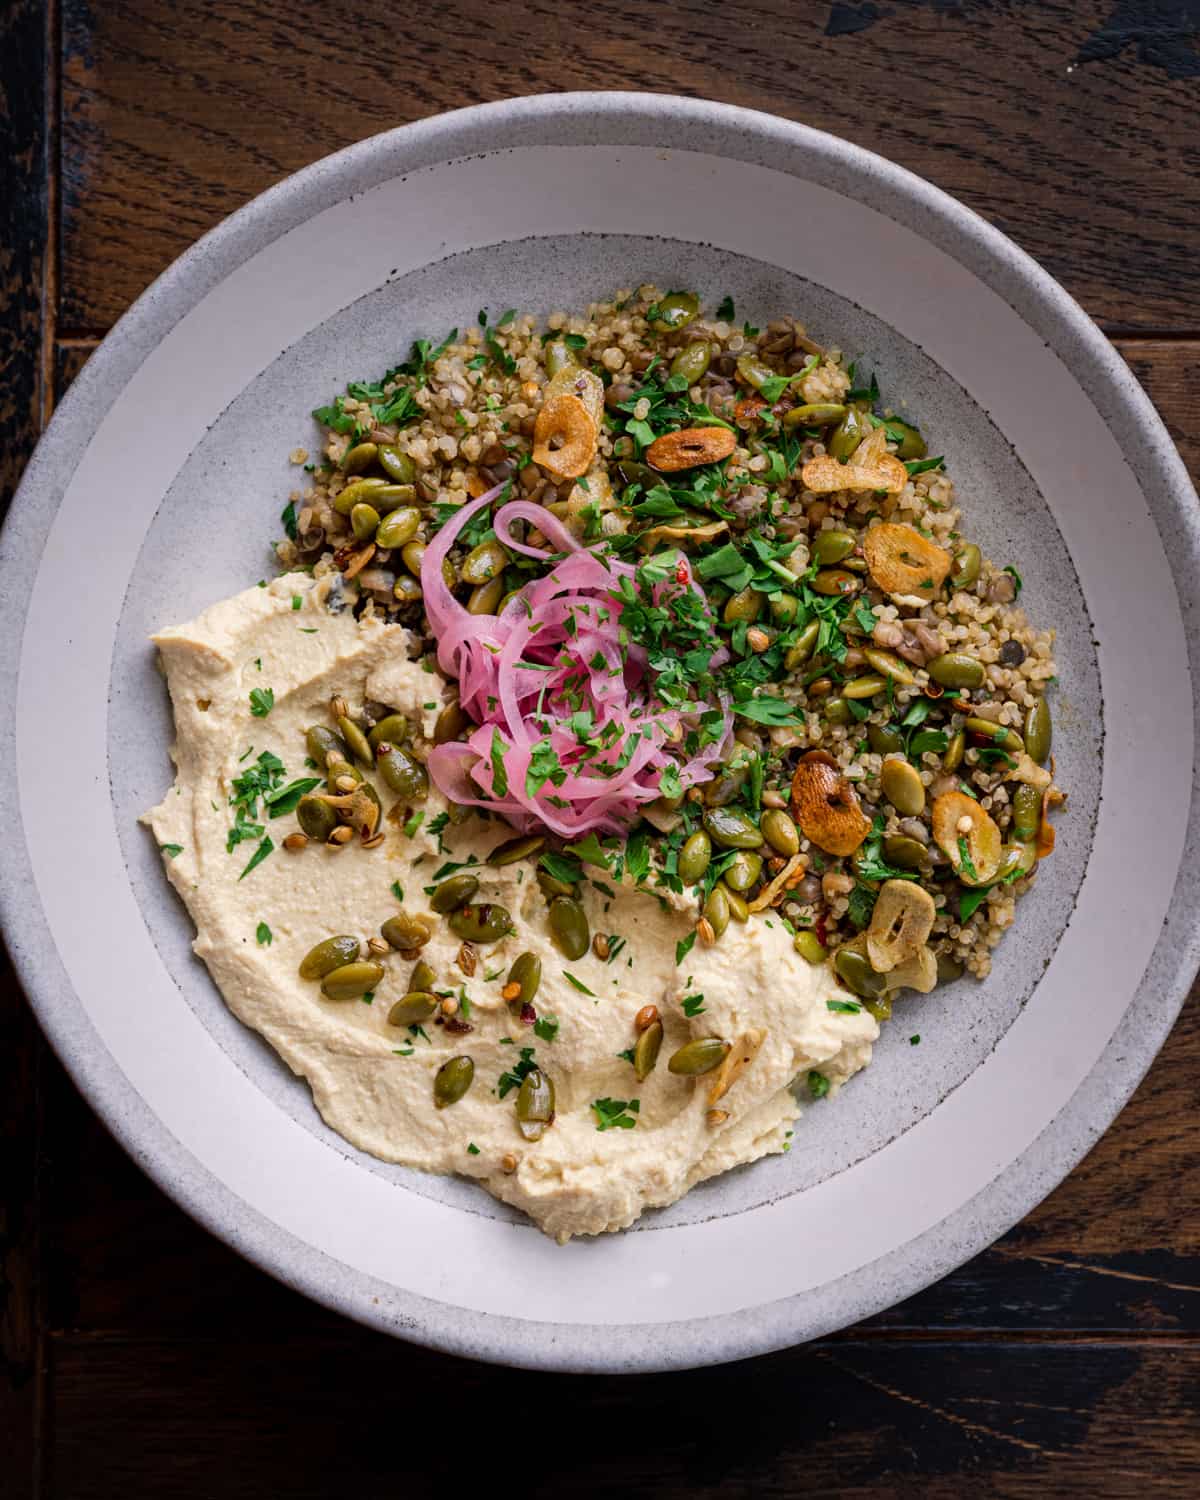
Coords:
248,676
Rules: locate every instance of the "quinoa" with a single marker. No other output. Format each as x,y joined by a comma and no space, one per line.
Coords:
458,419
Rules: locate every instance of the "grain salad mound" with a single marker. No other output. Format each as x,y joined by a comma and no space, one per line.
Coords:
868,643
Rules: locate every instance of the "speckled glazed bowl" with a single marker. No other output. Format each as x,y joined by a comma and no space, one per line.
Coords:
178,430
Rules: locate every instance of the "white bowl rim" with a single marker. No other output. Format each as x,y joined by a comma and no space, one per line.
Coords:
595,117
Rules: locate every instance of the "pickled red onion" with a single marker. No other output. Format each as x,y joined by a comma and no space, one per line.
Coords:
570,735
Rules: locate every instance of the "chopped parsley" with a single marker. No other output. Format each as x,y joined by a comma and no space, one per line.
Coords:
546,1027
262,701
849,1007
513,1077
964,859
264,935
818,1084
397,890
578,983
693,1005
171,850
970,901
256,859
472,1149
725,309
684,946
616,1114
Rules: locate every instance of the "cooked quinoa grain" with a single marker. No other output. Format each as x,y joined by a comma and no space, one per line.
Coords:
865,614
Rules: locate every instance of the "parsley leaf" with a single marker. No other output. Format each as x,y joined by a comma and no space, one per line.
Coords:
725,309
970,901
264,935
684,946
258,856
578,983
171,850
850,1007
262,701
546,1027
513,1077
693,1005
616,1114
818,1084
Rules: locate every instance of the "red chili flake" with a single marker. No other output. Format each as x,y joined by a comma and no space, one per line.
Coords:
528,1014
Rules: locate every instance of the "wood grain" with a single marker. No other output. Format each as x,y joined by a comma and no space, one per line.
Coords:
175,115
139,1356
23,279
846,1418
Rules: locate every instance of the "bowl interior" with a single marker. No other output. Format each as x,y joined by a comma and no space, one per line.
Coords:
180,428
211,535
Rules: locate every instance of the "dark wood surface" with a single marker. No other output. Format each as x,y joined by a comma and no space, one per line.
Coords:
140,1356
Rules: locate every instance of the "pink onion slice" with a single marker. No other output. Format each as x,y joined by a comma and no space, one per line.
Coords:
570,735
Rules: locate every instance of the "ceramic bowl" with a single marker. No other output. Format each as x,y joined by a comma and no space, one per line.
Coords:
177,433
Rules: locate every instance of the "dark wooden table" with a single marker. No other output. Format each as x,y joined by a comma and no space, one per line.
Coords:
141,1357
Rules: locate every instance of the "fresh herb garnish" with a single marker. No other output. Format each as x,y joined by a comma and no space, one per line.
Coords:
171,850
264,935
616,1114
262,701
513,1077
546,1027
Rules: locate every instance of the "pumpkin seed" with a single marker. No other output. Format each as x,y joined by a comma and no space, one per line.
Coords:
535,1104
911,444
332,953
452,723
422,977
888,664
1027,812
857,974
783,607
802,648
569,927
412,554
836,582
1038,731
486,923
731,829
452,1080
402,774
355,493
809,946
407,590
359,458
967,562
453,893
832,546
884,739
695,857
743,871
522,847
393,729
398,527
404,933
904,852
316,818
396,465
351,981
483,563
356,740
837,711
955,669
954,752
739,907
485,598
716,909
949,969
321,741
864,687
901,784
364,522
780,832
815,414
646,1050
692,361
849,432
527,972
743,607
998,734
675,312
701,1056
415,1007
